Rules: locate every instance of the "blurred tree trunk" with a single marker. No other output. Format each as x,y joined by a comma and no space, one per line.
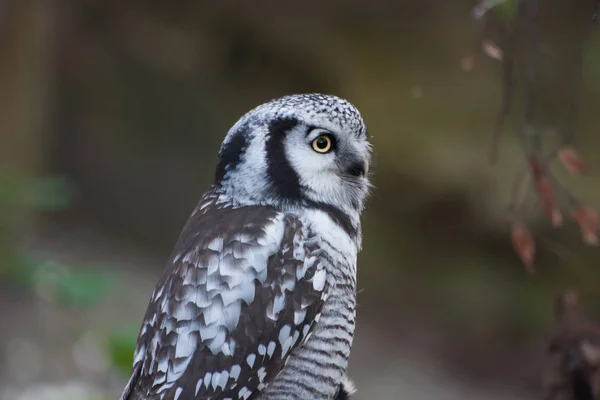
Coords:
27,38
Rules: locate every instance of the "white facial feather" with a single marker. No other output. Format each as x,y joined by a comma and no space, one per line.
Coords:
317,172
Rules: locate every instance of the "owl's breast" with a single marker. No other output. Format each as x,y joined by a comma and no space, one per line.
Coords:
315,369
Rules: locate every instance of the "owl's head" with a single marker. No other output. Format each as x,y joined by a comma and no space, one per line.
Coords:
299,150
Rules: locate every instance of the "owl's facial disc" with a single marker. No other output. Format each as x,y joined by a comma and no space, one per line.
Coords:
330,162
298,150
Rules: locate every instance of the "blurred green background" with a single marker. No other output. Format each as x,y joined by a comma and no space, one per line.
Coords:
111,115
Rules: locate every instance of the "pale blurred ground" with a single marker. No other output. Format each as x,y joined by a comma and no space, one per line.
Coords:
128,102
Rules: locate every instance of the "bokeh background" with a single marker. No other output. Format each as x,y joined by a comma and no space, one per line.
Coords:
111,115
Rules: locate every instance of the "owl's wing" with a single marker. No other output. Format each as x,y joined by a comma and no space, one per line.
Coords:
244,288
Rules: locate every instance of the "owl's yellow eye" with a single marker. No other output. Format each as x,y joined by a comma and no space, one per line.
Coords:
322,144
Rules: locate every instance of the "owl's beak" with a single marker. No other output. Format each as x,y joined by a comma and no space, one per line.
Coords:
358,168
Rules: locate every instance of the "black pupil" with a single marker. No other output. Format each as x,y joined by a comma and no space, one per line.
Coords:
322,143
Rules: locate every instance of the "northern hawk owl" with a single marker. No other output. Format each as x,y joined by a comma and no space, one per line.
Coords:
257,300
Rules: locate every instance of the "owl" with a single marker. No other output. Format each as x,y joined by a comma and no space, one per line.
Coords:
258,299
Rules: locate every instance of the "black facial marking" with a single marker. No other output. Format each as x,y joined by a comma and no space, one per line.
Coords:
337,215
284,180
231,154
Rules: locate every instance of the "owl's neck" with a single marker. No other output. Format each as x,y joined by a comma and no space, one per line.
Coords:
347,218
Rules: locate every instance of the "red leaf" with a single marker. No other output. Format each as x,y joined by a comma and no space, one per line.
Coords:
545,192
571,161
556,218
588,221
536,168
544,189
524,246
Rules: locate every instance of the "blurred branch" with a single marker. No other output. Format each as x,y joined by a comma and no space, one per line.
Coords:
508,44
26,50
522,29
